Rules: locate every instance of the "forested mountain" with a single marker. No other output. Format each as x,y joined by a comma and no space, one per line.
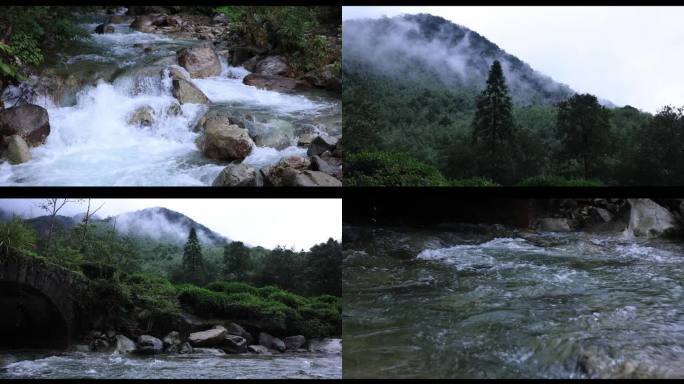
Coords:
432,51
415,87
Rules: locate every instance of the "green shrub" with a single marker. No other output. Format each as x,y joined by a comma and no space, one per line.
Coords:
229,287
289,299
15,235
268,290
152,292
381,168
558,181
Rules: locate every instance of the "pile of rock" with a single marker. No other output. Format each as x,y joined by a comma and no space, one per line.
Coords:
22,127
219,340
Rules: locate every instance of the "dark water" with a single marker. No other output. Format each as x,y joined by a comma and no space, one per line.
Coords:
520,305
196,366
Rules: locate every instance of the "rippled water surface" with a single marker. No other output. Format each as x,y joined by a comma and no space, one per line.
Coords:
516,305
106,365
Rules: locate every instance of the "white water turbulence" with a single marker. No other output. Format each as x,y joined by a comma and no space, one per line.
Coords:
92,142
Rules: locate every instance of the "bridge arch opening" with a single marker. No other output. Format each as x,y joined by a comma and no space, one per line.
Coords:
29,319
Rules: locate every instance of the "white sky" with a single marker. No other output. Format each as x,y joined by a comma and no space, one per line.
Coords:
300,223
628,55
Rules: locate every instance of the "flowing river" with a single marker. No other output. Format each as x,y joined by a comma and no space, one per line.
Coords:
92,143
499,303
93,365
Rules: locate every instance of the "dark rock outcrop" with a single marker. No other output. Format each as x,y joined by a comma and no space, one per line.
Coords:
29,121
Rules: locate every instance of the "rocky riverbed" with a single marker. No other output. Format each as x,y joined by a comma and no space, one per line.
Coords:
158,99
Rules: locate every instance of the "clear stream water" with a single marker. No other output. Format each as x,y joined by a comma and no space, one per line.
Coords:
514,305
63,365
91,142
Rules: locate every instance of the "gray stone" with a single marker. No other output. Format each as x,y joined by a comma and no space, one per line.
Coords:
234,344
236,329
209,338
274,83
149,345
173,338
29,121
208,351
320,144
143,116
294,342
271,342
649,219
124,345
315,179
553,224
200,60
104,28
318,164
185,348
143,24
187,92
258,349
222,141
273,65
305,140
237,175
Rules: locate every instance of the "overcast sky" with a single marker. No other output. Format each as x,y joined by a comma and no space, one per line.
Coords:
628,55
300,223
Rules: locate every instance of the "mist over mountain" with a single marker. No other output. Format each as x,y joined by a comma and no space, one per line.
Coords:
159,224
431,50
162,223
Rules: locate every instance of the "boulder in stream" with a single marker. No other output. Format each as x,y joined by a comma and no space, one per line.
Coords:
294,342
320,144
553,224
143,116
236,329
649,219
274,83
208,351
173,338
238,175
258,349
104,28
210,338
17,150
223,141
271,342
234,344
143,23
310,178
123,345
187,92
200,60
28,121
149,345
318,164
327,76
272,65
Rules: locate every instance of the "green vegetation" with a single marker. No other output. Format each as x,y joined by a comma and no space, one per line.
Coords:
284,290
299,33
27,32
415,131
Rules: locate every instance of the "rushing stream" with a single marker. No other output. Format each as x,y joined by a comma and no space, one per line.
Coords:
513,305
92,143
62,365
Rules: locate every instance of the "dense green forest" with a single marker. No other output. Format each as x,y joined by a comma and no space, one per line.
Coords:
423,129
288,289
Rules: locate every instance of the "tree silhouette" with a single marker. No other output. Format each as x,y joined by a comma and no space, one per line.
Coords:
193,265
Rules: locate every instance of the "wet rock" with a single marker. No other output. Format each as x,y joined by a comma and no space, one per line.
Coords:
143,23
220,19
17,150
305,140
271,342
143,116
295,162
176,72
315,179
192,322
149,345
82,348
318,164
186,92
123,345
273,82
174,109
241,54
235,329
649,219
99,345
251,64
200,60
104,28
209,338
328,346
237,175
234,344
173,338
185,348
28,121
327,77
600,214
224,142
553,224
208,351
338,151
320,144
294,342
258,349
272,65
